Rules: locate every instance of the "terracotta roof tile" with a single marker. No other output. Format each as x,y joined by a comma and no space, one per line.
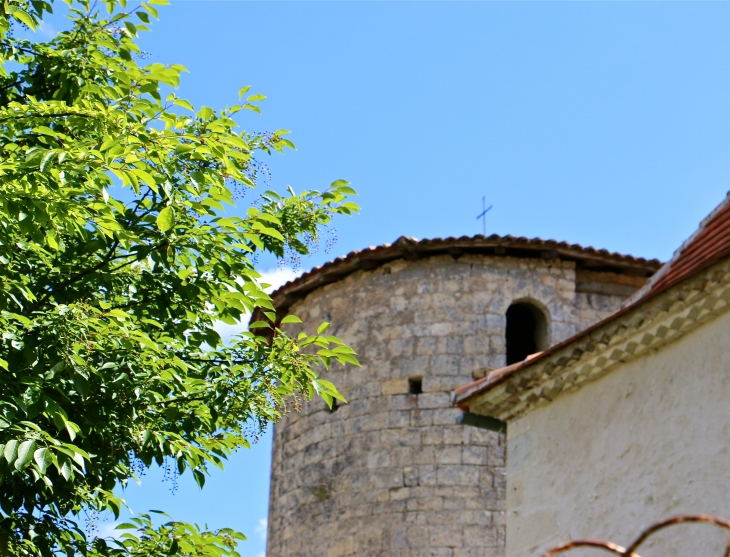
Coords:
708,245
411,248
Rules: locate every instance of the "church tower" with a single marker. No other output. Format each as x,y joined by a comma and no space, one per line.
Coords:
391,474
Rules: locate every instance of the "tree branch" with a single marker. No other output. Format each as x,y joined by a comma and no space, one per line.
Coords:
109,256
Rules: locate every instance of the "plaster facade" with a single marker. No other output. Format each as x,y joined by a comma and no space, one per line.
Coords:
390,473
627,450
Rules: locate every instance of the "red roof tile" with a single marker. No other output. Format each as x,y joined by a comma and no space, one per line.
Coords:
708,245
411,248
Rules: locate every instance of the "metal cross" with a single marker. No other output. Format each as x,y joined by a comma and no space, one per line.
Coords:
482,215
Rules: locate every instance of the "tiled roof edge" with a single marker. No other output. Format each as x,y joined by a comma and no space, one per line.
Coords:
412,248
656,277
647,325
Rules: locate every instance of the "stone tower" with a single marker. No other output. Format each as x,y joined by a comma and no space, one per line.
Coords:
391,474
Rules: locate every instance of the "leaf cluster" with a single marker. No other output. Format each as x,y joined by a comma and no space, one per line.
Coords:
118,257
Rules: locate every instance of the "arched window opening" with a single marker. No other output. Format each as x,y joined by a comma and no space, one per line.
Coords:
527,331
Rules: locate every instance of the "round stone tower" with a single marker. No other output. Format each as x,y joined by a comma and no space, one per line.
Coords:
390,473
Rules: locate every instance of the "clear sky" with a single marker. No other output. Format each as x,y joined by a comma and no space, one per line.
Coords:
605,124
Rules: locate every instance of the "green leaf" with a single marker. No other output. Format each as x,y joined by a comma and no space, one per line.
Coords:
11,451
151,10
271,232
322,328
45,160
166,219
24,17
291,319
25,454
43,458
184,104
258,325
205,113
72,429
66,470
118,313
347,358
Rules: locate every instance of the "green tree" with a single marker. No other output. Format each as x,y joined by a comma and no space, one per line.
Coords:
117,259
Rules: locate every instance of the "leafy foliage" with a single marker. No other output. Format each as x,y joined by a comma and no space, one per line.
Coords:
118,258
173,538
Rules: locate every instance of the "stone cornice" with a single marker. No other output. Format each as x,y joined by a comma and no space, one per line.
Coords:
623,337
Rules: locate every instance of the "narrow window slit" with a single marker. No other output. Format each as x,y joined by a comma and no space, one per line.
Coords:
334,407
415,385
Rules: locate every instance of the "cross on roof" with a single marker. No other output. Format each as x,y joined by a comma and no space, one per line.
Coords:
483,214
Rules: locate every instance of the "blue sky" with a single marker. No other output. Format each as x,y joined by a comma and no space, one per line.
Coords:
601,123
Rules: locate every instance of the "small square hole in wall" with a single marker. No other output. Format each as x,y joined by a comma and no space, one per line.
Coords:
415,385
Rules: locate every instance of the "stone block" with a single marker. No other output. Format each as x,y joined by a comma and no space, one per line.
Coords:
424,455
474,455
401,347
394,386
450,345
442,329
445,536
426,345
378,459
432,436
427,475
495,455
421,418
444,364
399,419
445,416
410,476
449,455
479,536
404,402
457,434
434,400
449,474
439,552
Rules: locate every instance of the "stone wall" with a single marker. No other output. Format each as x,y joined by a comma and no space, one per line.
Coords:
390,473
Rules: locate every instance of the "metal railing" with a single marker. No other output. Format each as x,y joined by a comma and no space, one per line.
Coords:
631,550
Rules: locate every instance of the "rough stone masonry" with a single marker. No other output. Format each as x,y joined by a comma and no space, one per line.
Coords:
391,473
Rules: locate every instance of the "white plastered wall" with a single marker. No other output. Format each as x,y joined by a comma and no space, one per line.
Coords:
649,440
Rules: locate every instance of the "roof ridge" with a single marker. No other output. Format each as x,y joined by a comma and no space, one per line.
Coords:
493,245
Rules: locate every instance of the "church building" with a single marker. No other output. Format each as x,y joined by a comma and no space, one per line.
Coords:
392,473
626,422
